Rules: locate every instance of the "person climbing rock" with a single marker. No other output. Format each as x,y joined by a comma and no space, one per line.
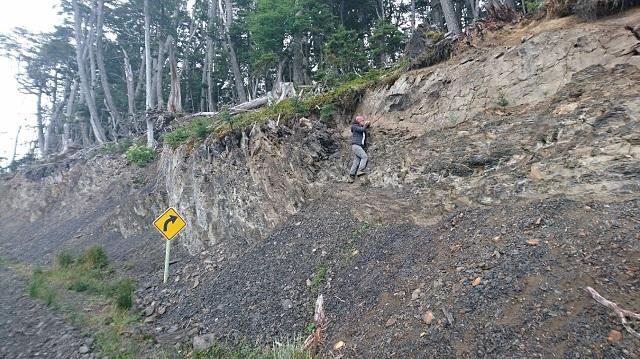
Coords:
358,144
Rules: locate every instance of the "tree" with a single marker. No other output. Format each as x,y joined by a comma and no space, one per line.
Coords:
149,96
450,16
386,43
233,58
87,94
104,80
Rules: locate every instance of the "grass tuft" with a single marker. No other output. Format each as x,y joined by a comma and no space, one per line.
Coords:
319,277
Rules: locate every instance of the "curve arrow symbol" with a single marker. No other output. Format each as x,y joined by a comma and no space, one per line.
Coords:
171,219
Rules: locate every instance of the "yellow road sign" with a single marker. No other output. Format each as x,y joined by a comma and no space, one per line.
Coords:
169,223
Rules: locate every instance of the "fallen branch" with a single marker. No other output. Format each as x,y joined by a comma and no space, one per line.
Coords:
619,311
320,321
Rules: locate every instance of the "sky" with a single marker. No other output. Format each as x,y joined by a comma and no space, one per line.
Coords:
18,109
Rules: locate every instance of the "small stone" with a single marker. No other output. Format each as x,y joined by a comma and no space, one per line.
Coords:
150,309
535,173
533,242
84,349
614,336
428,317
161,309
339,345
391,322
287,304
173,329
416,294
476,281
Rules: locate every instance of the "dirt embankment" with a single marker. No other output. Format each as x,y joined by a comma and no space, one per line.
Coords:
503,182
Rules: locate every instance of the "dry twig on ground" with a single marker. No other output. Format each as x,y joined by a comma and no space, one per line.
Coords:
623,314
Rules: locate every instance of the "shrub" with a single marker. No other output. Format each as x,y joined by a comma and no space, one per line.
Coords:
300,108
123,294
114,148
94,258
319,277
38,288
65,259
176,137
140,155
502,100
327,111
201,128
79,286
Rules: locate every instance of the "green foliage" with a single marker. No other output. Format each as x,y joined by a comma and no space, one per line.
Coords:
502,100
39,288
299,107
327,111
122,291
94,257
358,232
533,5
386,41
201,128
65,258
140,155
345,51
197,130
310,328
116,148
176,137
319,277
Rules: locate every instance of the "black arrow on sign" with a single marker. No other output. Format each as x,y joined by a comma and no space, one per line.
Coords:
171,219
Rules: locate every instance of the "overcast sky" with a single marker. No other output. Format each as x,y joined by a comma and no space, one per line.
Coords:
15,108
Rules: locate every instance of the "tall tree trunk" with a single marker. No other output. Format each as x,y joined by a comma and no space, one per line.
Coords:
413,15
159,71
69,117
474,5
149,96
437,19
40,123
237,75
90,47
298,55
212,13
141,75
450,16
174,104
203,89
84,80
15,146
131,92
86,139
50,138
104,80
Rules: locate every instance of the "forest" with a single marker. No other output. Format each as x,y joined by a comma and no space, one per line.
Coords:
112,67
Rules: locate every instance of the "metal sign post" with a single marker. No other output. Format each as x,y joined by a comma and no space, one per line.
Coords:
169,223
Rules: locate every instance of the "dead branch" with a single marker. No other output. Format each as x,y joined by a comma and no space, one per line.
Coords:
320,321
622,313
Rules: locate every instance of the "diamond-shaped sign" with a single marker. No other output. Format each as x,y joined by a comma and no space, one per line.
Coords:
170,223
